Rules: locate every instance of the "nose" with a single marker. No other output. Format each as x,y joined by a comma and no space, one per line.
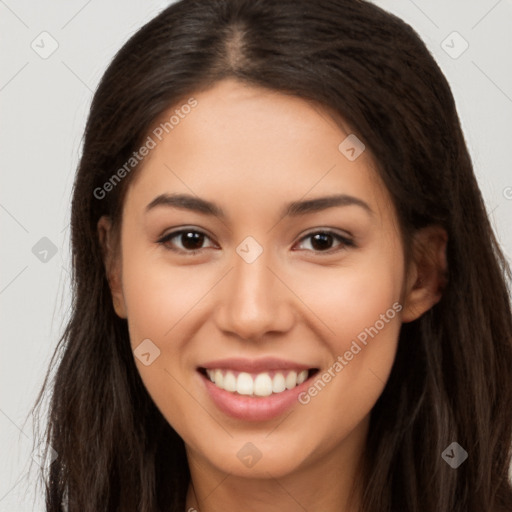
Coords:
254,300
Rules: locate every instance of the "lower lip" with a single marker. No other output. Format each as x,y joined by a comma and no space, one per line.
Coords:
251,408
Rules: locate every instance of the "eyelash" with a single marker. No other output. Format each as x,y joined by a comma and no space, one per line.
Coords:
345,241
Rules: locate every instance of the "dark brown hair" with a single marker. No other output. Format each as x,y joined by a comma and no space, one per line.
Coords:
451,380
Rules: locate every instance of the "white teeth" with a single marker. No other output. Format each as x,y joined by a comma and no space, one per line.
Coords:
261,384
230,382
278,383
291,380
302,376
244,384
219,379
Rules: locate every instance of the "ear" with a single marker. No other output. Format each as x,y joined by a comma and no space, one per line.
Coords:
427,275
112,262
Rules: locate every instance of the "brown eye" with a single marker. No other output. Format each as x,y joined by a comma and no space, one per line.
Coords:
326,241
191,240
185,241
322,241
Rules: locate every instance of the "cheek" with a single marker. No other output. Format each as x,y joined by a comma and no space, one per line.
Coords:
362,353
158,299
157,295
352,298
361,309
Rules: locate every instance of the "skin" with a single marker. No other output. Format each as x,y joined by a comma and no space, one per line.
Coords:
251,151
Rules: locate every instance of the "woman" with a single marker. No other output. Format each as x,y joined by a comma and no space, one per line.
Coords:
287,294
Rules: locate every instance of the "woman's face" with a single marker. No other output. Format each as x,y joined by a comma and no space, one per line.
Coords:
255,246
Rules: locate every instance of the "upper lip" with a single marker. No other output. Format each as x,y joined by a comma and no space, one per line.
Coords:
255,365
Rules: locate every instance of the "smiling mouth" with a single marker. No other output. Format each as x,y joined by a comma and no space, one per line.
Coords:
257,384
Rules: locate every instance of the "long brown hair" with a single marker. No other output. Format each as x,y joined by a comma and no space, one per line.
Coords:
452,377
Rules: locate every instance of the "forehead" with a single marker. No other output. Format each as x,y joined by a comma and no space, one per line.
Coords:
253,148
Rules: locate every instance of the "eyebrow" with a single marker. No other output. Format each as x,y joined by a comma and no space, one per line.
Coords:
293,209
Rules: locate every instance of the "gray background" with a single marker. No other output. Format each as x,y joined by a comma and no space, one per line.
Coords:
44,100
